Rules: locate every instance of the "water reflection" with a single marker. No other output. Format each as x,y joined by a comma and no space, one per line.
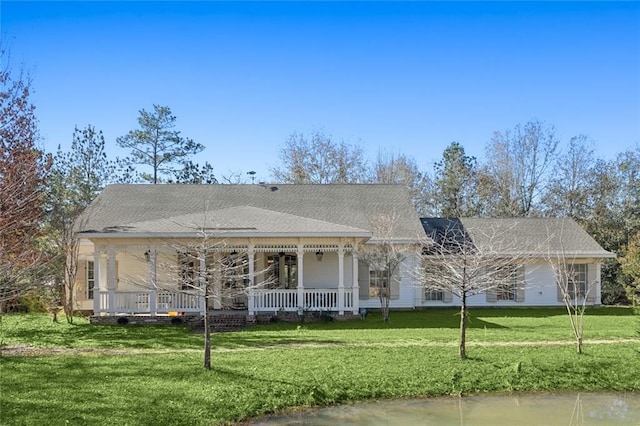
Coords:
495,410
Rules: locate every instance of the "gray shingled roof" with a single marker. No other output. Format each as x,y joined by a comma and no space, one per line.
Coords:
236,209
529,236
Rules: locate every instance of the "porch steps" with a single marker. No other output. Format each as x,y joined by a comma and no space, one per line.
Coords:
228,321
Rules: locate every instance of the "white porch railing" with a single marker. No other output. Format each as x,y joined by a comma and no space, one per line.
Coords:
313,300
275,300
136,302
144,302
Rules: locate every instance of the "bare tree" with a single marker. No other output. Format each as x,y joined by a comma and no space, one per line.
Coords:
207,265
517,166
319,159
575,282
463,265
384,256
569,188
401,169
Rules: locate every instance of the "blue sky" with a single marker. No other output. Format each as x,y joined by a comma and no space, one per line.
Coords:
401,77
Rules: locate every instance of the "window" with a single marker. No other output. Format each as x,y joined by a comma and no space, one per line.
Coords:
187,271
283,270
235,269
435,279
378,283
507,281
434,295
91,279
576,277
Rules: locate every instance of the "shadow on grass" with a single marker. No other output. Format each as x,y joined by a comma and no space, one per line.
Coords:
39,330
447,318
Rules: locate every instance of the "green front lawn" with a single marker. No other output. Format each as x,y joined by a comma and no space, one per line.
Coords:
272,367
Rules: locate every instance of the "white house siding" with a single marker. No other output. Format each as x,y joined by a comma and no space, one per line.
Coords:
132,272
540,289
324,274
408,284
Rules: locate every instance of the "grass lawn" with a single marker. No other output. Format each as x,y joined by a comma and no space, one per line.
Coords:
84,374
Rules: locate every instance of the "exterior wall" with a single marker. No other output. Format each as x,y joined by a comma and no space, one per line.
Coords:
540,289
324,274
408,286
133,274
85,253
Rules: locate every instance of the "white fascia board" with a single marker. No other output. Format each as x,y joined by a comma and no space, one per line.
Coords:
398,242
97,235
537,256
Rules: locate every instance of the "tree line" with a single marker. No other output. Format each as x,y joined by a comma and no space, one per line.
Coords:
526,172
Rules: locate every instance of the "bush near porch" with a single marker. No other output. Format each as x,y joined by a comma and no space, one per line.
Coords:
88,374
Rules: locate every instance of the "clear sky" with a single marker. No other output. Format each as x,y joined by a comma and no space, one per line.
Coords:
402,77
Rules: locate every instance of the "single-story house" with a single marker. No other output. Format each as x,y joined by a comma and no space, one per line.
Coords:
156,249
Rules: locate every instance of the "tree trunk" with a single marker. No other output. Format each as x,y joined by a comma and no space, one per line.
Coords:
463,326
207,333
68,304
579,344
207,342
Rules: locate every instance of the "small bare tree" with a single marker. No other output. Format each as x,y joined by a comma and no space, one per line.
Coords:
384,257
455,264
216,273
208,267
576,287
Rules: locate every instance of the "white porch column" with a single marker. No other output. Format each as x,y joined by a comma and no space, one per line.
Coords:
202,281
153,278
98,283
355,286
598,283
340,280
300,277
251,254
111,279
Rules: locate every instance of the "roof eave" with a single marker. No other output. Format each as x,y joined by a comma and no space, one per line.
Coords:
156,235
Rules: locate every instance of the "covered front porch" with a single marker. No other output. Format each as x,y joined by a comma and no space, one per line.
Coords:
265,300
156,279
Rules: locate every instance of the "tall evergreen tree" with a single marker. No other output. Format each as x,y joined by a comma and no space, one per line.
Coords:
456,183
76,179
156,144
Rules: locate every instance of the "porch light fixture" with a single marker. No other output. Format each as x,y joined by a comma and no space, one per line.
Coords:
147,256
319,255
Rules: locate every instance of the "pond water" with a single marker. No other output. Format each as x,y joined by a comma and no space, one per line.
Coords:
494,410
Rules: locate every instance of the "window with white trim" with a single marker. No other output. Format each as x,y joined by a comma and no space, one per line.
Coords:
283,270
434,274
90,279
507,282
433,295
577,284
378,283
